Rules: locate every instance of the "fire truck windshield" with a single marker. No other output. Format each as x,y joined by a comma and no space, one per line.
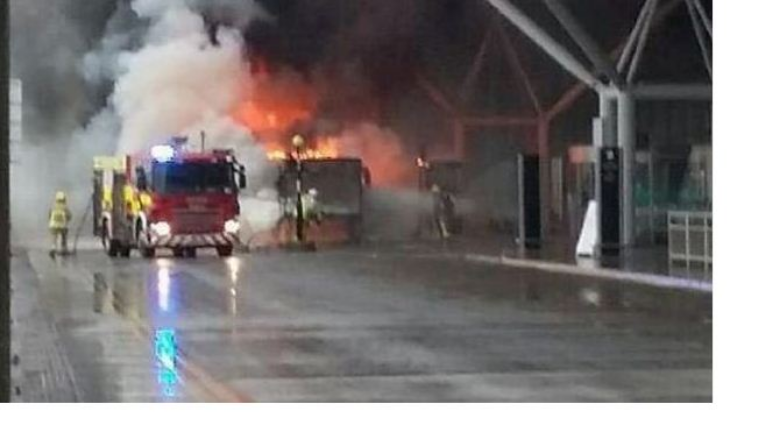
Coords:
193,177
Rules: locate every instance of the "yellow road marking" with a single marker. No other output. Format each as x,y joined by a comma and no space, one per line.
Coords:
200,376
212,386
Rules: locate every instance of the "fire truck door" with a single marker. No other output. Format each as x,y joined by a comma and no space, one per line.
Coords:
121,227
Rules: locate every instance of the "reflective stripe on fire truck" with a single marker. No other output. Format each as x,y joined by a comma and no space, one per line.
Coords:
194,240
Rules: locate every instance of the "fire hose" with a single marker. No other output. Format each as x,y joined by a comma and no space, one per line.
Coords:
80,228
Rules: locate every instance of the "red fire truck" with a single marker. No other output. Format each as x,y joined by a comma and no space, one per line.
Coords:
168,198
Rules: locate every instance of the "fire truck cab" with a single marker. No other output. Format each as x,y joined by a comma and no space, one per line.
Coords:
168,198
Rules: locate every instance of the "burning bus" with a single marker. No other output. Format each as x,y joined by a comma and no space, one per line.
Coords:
340,184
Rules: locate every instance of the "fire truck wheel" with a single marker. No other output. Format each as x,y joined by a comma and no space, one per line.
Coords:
178,252
113,248
225,251
191,252
148,252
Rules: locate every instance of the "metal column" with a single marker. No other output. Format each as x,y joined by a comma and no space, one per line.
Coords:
521,229
608,116
545,180
626,137
604,135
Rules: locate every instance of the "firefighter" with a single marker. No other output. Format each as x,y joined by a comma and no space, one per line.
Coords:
132,200
59,220
440,208
311,208
106,203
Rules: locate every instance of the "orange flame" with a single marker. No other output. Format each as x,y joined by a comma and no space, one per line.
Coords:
322,148
273,109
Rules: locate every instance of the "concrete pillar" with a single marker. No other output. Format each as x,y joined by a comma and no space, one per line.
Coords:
626,140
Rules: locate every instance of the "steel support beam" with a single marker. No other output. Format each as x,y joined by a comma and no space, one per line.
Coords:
499,121
436,96
703,15
628,50
676,92
520,71
541,38
567,100
583,40
641,44
479,61
697,27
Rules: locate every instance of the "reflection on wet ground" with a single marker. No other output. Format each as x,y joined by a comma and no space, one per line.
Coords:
166,350
148,300
343,326
130,296
647,260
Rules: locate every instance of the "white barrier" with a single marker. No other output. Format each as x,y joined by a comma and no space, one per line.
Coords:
690,237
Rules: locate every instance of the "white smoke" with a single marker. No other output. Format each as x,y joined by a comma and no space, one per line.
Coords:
382,150
181,78
179,81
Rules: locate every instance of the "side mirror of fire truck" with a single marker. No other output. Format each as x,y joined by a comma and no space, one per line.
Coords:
141,180
241,177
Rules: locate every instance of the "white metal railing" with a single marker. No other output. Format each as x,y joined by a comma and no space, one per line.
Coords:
690,237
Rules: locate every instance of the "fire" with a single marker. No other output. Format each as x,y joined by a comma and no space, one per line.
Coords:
275,103
323,148
327,148
283,103
275,106
277,155
268,120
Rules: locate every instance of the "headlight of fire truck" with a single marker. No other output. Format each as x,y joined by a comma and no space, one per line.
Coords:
232,226
161,229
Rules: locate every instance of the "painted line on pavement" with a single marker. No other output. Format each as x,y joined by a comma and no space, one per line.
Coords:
202,378
608,274
212,386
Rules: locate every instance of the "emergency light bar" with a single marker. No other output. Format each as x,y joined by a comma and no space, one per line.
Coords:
163,153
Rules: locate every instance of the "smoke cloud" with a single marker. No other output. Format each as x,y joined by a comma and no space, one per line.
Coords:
145,69
115,77
183,79
382,151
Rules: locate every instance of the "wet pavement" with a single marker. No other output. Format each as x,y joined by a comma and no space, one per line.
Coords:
643,260
369,324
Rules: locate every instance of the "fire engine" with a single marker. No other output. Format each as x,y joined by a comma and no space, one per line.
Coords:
168,197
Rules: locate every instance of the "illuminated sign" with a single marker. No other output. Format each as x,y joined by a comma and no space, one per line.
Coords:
165,349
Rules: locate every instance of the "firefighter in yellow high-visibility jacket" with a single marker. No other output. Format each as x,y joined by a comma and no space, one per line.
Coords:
59,221
132,201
